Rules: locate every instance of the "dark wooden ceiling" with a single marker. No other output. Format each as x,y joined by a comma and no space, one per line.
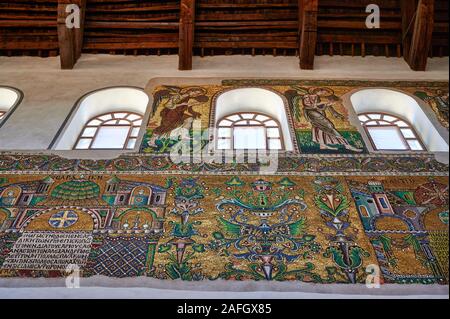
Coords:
254,27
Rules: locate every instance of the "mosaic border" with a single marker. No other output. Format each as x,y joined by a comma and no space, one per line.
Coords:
301,165
363,83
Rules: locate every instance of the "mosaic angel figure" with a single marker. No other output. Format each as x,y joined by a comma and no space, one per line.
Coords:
440,100
177,108
316,101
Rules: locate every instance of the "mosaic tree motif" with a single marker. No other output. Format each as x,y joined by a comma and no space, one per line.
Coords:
300,229
264,226
334,208
188,194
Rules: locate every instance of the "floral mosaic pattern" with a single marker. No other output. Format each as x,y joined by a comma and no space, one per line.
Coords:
162,164
330,212
319,229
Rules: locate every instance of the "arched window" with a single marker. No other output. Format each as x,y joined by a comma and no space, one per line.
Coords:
390,133
106,119
407,108
252,118
116,130
250,131
9,99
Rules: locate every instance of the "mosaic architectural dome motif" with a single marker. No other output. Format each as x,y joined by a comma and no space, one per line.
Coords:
76,190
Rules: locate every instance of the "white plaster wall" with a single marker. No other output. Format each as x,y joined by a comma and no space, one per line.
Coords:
50,93
255,100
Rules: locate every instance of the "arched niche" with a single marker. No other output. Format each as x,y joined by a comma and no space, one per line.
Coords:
256,100
103,101
403,106
9,99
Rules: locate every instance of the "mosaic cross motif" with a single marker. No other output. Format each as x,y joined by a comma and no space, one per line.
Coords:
63,219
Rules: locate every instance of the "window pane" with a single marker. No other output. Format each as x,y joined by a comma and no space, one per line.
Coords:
254,123
372,123
401,124
273,132
374,116
111,137
225,123
89,131
387,138
241,123
133,117
389,118
363,118
271,123
384,123
275,144
249,138
224,144
262,118
105,117
415,145
248,116
135,132
94,123
83,144
120,115
408,133
234,118
131,143
137,123
224,132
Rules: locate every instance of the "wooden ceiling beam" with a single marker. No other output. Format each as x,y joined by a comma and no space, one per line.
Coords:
308,11
408,10
186,34
228,27
70,39
79,33
418,25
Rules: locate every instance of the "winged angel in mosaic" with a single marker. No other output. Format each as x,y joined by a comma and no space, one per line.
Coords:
316,102
439,103
177,107
177,111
